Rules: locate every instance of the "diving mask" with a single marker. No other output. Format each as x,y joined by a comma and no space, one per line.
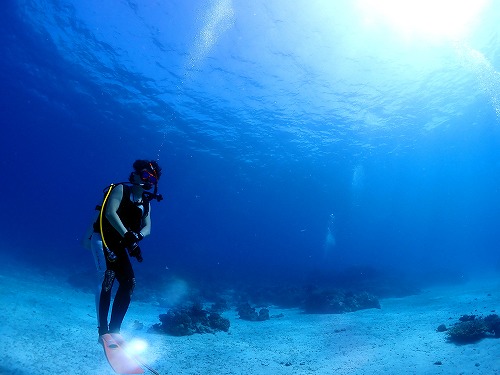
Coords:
148,177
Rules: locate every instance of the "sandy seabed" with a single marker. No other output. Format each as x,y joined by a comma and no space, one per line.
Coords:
48,327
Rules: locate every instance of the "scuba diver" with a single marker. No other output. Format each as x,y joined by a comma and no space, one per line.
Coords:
124,219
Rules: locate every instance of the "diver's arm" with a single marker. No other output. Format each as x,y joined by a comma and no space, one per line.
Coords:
146,222
114,200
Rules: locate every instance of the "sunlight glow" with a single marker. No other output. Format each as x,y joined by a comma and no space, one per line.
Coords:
434,19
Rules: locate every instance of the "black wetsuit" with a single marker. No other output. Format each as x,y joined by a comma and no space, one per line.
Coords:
131,214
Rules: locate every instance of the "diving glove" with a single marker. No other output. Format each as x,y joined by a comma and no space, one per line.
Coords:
131,237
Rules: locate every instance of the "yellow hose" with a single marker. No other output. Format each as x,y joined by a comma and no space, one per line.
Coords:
102,212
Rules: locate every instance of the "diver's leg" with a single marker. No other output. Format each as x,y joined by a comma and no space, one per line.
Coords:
123,296
100,264
105,301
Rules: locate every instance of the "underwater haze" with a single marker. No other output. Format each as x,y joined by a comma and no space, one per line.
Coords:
297,138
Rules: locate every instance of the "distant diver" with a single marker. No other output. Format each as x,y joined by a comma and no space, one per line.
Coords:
330,240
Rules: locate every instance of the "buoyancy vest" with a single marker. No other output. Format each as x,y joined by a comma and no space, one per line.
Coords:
131,214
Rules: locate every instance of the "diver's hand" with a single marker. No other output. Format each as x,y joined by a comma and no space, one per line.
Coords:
131,237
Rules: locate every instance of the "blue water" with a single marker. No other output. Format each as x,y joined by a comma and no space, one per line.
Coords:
269,119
